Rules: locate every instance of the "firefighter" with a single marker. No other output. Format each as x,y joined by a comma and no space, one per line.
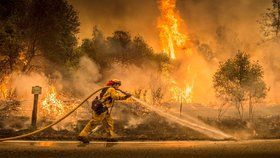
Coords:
102,107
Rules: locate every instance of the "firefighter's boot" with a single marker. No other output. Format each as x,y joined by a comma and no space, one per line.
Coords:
83,139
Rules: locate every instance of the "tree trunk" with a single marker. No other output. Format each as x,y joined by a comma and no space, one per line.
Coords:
242,110
238,107
250,108
221,110
11,64
278,19
31,53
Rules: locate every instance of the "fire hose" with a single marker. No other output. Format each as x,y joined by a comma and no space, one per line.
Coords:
54,123
178,120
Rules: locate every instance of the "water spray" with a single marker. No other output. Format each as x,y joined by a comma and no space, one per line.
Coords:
189,122
209,131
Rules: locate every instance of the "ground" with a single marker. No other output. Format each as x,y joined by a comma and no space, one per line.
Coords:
145,134
132,123
74,149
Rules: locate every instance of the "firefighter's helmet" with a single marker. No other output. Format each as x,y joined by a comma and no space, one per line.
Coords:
113,81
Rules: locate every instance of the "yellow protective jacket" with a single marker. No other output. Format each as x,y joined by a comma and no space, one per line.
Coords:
110,96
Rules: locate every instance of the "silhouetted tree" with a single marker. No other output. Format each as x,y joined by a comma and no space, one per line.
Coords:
96,48
119,44
270,21
238,81
51,29
33,27
120,47
12,14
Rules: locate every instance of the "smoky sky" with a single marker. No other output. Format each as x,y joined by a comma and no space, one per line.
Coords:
202,17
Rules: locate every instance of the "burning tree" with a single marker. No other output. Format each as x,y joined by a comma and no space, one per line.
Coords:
239,81
169,26
177,45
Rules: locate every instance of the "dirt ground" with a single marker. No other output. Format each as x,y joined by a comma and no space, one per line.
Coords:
162,149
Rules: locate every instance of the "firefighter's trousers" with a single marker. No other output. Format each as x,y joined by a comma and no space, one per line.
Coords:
103,119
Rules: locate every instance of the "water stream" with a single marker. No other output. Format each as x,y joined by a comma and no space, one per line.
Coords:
187,121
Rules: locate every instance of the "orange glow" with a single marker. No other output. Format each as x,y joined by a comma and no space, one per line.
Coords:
6,92
22,58
182,94
51,104
174,41
169,24
3,89
188,93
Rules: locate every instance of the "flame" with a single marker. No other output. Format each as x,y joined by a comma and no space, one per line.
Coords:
22,57
6,92
51,104
188,93
173,40
168,25
3,90
182,94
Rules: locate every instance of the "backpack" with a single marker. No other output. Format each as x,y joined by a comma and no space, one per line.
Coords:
97,106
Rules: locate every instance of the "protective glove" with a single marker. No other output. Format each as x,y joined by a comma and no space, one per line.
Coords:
127,95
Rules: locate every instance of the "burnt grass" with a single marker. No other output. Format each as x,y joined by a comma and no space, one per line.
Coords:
133,122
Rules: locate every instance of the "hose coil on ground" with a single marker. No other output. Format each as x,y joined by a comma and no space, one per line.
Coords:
54,123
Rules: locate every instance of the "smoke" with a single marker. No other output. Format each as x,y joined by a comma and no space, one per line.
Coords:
268,55
22,84
204,17
217,29
21,110
201,17
132,76
229,26
86,77
137,17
